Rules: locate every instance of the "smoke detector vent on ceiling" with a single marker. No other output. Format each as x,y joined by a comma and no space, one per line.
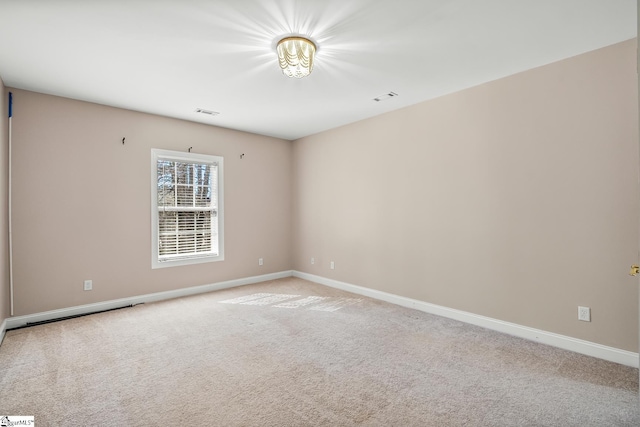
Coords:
385,96
208,112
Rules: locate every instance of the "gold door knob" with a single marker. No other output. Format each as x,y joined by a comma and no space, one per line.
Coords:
635,270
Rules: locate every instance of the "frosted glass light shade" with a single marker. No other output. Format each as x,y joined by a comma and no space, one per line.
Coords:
295,55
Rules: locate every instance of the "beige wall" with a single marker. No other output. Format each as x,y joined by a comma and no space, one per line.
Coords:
4,189
517,199
81,202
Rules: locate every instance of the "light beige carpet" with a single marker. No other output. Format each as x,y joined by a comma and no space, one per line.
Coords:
294,353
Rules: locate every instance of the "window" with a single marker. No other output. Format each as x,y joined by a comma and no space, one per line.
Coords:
186,208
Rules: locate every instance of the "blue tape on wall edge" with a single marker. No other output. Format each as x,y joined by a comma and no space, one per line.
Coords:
10,104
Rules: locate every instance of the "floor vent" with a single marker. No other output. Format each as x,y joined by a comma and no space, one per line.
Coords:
58,319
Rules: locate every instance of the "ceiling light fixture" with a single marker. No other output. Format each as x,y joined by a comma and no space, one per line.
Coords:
295,55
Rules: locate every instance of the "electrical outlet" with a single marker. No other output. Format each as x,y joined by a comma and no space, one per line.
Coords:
88,285
313,261
333,265
260,261
584,314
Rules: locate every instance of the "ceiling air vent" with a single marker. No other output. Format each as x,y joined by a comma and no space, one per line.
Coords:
385,96
207,112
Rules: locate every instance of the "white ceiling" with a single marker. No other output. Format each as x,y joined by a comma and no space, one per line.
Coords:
169,57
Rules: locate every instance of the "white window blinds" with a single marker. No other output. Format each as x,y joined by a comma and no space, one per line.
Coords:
186,208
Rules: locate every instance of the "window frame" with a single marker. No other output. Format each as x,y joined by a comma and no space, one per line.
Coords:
159,154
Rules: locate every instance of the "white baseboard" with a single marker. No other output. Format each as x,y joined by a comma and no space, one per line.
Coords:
18,321
568,343
611,354
3,329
